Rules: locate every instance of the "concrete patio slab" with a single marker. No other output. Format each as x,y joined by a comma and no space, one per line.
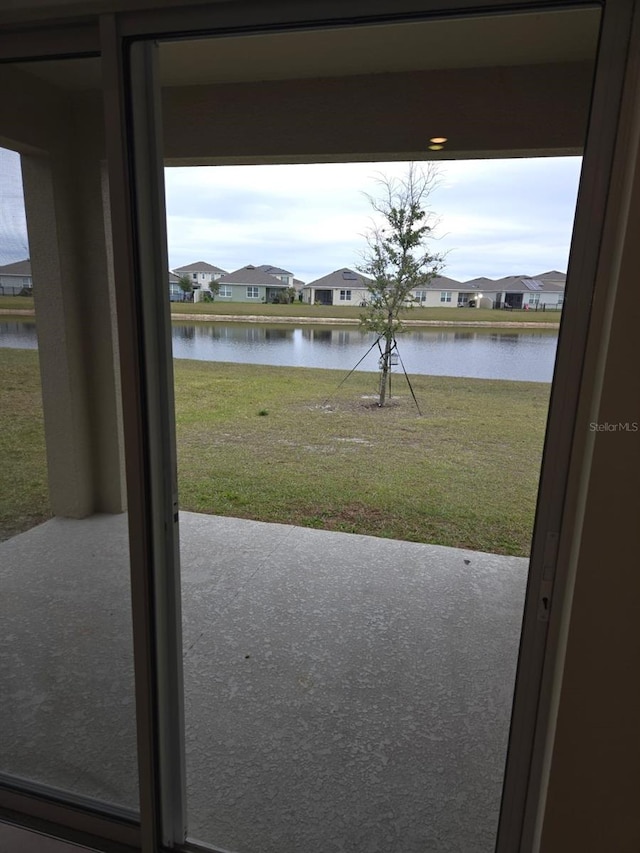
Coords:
343,692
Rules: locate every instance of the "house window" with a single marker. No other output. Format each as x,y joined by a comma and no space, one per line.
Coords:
445,296
253,292
421,296
534,298
345,296
195,276
225,290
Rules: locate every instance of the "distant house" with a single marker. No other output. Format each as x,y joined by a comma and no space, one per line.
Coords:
340,287
250,284
545,291
200,273
16,278
266,283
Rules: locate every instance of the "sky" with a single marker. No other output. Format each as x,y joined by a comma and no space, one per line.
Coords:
13,226
495,217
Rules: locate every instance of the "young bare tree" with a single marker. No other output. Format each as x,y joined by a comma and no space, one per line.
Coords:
397,259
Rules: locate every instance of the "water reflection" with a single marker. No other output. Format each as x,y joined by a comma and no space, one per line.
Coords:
234,333
333,337
484,354
185,333
18,334
506,337
278,334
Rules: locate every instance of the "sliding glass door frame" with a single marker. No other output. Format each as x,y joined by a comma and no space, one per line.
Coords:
134,149
558,505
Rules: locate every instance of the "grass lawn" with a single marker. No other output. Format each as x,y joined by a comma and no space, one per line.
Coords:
282,444
24,499
16,302
337,312
346,312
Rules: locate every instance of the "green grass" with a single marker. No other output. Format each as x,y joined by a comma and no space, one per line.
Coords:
284,445
16,302
337,312
345,312
24,500
464,474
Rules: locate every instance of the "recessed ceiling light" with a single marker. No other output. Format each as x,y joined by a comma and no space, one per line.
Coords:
438,139
436,147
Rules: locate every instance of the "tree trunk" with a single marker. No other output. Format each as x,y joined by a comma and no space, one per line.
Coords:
386,363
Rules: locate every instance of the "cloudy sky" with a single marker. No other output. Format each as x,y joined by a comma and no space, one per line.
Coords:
496,217
13,226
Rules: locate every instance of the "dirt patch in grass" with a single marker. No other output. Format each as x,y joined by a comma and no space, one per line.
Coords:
356,518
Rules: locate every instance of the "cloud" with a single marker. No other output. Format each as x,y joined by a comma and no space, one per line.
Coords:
497,217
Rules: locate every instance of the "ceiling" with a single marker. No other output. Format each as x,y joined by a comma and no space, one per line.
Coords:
531,38
495,40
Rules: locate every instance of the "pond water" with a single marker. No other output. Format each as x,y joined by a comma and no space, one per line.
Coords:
478,353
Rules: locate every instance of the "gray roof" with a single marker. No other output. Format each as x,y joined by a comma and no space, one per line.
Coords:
17,268
549,282
198,266
273,270
552,274
251,275
173,278
509,281
522,284
553,277
342,278
441,282
481,281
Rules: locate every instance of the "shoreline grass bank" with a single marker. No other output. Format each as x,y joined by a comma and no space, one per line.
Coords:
298,312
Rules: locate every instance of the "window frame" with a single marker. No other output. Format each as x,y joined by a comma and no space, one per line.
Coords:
252,295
